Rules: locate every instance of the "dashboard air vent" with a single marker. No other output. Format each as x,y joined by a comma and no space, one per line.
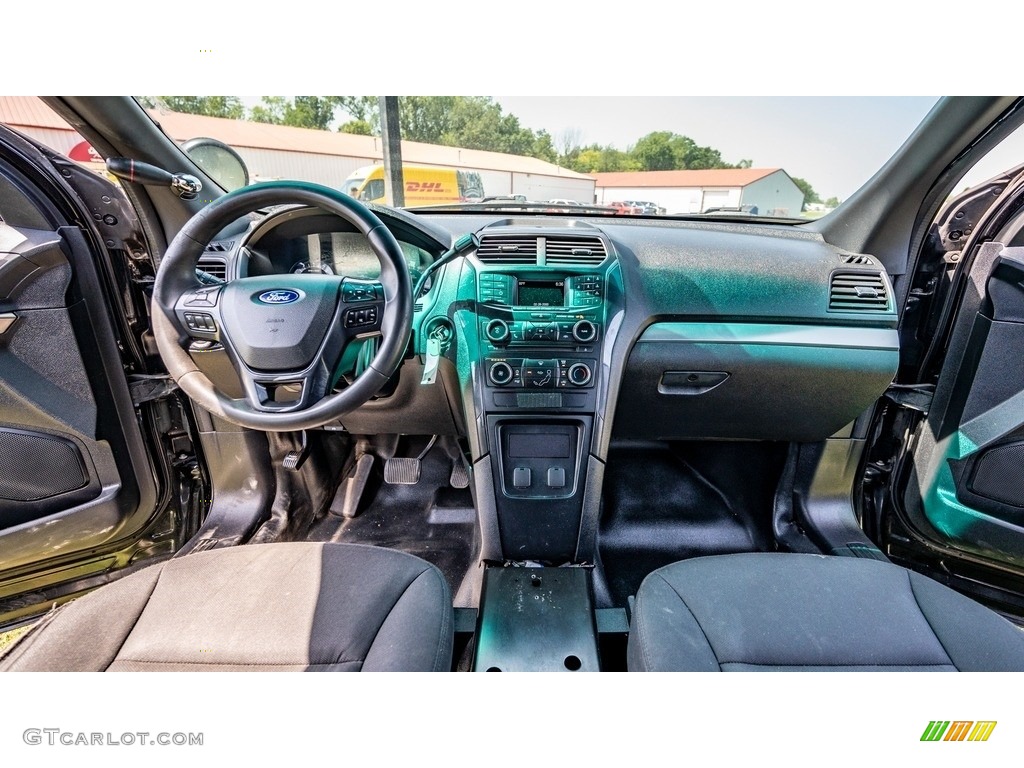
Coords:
858,292
221,246
216,267
584,251
508,249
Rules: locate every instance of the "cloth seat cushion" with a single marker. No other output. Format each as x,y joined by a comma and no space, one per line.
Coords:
775,611
294,606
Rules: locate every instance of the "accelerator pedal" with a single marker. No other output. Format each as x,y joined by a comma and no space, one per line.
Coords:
460,477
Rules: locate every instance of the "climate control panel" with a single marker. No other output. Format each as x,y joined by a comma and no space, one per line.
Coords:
540,373
543,330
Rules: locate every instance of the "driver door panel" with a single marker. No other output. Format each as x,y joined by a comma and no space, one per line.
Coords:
47,410
72,496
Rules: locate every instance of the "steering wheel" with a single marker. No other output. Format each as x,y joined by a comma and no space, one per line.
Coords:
284,334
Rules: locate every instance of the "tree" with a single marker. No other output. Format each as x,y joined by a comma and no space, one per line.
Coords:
359,127
543,147
598,159
302,112
654,152
270,110
473,122
701,158
569,142
364,108
425,118
810,196
211,106
312,112
832,202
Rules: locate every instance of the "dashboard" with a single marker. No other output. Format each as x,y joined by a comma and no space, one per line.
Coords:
554,336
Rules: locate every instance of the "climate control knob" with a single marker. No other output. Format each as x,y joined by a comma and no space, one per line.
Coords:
498,332
500,373
579,374
584,331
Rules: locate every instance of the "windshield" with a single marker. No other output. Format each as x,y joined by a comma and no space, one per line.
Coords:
785,159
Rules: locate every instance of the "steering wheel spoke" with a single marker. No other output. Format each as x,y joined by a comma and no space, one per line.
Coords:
284,391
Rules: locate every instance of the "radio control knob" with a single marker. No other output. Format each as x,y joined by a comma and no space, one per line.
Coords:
498,332
579,374
500,373
584,331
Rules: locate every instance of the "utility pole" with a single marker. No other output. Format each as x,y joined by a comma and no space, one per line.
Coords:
394,190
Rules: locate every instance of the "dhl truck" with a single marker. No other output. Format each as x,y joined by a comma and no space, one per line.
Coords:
423,185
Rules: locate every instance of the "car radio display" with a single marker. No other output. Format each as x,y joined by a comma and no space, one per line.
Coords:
540,293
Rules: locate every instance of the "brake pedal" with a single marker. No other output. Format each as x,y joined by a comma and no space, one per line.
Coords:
460,477
402,471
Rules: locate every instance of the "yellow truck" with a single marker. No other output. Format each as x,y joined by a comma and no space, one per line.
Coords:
423,185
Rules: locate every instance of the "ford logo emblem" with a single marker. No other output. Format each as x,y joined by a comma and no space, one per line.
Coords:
280,296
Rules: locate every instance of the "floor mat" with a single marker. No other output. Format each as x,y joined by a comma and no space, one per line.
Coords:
667,503
428,519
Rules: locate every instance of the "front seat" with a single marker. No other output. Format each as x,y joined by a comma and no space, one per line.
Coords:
264,607
790,612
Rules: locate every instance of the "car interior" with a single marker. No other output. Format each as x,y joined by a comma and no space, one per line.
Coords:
281,429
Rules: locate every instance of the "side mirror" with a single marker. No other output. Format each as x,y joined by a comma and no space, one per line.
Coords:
218,161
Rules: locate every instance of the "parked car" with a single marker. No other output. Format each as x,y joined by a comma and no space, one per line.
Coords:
644,207
625,209
509,441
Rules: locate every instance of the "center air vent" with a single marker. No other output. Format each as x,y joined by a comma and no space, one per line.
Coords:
508,249
584,251
858,292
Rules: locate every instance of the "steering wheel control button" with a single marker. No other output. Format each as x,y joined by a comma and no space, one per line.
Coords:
200,322
584,331
556,477
204,297
361,318
353,293
498,332
521,477
501,373
579,374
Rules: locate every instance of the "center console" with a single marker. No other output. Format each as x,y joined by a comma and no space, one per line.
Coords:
537,385
542,314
